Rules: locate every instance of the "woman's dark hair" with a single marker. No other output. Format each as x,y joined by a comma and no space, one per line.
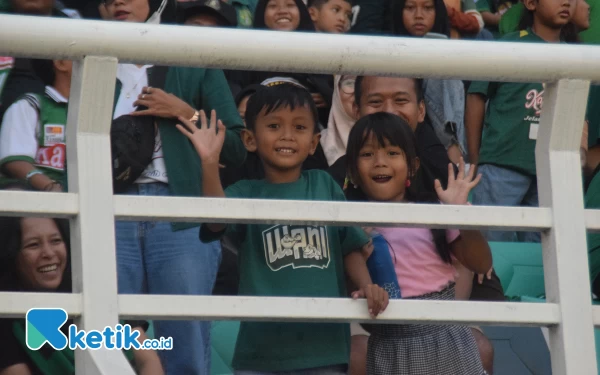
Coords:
10,238
306,23
440,26
393,129
279,96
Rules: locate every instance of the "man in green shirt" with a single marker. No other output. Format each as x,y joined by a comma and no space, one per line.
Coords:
505,155
284,259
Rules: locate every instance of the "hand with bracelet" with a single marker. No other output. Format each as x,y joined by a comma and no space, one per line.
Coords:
162,104
39,181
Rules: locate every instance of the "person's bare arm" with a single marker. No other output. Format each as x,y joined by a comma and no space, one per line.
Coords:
464,281
356,269
208,142
146,361
19,169
474,115
491,19
472,250
18,369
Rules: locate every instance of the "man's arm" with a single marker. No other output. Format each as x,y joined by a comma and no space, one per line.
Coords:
474,115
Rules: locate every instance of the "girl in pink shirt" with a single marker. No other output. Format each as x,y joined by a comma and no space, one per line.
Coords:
382,161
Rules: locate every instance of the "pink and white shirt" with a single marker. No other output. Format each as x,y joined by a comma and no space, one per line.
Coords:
419,268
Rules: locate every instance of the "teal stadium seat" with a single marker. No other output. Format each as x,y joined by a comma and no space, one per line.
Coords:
520,269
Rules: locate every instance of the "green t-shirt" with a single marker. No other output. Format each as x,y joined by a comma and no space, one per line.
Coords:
592,201
291,260
512,117
509,23
592,34
6,64
501,7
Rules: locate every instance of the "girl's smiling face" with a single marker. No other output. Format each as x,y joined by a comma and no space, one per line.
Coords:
382,171
282,15
42,258
418,16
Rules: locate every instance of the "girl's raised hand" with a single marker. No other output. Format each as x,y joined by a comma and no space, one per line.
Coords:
207,140
459,186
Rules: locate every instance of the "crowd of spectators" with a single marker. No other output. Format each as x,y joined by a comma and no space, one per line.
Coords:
277,135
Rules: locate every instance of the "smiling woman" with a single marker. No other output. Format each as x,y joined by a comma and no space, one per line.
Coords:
35,258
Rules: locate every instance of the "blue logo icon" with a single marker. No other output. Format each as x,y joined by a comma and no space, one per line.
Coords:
43,326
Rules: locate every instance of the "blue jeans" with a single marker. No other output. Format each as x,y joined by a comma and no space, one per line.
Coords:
326,370
153,259
506,187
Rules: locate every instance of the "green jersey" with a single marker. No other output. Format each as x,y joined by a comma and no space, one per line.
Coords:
33,130
294,261
512,118
6,64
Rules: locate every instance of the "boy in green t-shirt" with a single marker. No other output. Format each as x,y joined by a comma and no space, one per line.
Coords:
285,259
506,152
32,134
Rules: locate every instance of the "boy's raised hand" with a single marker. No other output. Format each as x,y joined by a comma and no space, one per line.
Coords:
207,140
377,298
458,187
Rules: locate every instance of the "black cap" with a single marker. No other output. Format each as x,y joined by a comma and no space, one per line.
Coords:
225,12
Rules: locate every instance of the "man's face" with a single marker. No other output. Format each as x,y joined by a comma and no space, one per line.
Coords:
37,7
128,10
393,95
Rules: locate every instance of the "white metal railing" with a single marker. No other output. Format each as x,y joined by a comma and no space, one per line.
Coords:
566,70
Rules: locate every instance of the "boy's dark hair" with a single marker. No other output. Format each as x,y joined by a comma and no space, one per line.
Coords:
10,237
358,89
319,3
440,26
393,129
44,69
285,95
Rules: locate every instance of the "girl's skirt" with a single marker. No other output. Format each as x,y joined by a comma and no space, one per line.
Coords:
417,349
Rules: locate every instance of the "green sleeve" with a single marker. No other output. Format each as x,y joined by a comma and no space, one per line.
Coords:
216,95
510,20
483,6
479,87
234,230
592,201
468,5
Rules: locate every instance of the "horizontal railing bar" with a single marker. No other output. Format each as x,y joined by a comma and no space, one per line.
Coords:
596,315
22,36
42,204
592,220
220,210
16,305
335,310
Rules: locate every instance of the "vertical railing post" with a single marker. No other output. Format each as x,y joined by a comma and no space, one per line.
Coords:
92,231
566,273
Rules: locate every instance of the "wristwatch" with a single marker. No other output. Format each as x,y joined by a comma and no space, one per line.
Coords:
194,118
